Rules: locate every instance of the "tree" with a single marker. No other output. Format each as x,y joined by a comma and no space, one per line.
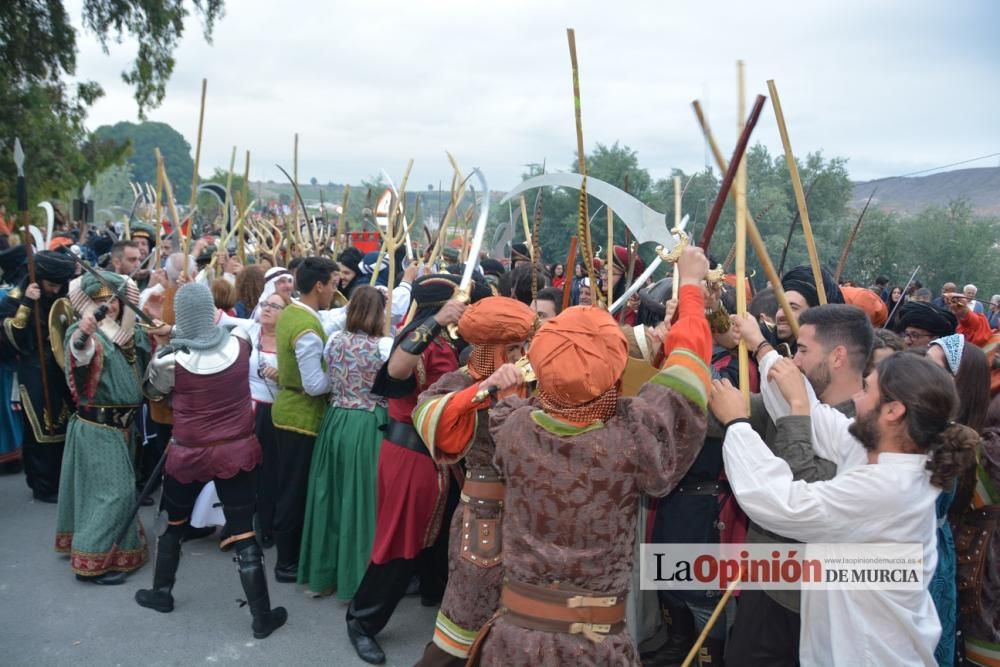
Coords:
112,189
142,140
38,55
313,181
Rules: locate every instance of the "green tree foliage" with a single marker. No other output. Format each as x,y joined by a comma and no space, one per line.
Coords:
38,55
112,192
143,139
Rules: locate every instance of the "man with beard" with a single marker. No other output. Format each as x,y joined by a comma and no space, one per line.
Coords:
832,351
45,425
892,462
802,294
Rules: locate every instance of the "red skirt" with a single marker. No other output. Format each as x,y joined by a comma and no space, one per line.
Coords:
410,502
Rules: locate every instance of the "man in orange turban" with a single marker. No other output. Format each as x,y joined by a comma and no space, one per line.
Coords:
454,425
868,301
576,458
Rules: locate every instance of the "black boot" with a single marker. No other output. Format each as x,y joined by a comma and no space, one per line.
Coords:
711,652
286,569
680,635
251,564
168,556
364,644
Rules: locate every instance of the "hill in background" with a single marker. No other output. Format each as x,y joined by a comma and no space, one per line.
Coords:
981,187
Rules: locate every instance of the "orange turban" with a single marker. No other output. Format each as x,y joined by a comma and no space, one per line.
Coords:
578,355
497,320
868,301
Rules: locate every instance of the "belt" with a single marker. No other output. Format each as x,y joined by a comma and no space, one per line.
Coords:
482,492
405,436
119,417
560,609
704,489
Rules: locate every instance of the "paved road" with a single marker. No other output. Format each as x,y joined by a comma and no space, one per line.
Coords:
48,618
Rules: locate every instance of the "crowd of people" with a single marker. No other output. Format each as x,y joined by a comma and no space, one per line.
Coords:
499,448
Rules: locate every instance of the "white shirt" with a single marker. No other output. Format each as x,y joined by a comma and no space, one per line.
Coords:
261,389
309,355
335,319
891,501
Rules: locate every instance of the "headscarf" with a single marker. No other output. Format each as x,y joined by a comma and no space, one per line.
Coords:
367,267
935,320
194,310
868,301
952,346
578,357
800,279
621,261
272,277
490,325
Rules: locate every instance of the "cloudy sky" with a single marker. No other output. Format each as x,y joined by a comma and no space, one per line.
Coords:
895,87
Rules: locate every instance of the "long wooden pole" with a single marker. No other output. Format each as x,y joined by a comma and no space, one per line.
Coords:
342,221
194,179
240,240
611,255
850,239
800,198
741,238
583,221
570,261
752,231
159,213
678,194
730,173
719,607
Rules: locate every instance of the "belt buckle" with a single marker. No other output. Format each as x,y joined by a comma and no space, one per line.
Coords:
585,601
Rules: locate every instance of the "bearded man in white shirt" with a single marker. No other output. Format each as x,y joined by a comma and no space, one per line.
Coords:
892,462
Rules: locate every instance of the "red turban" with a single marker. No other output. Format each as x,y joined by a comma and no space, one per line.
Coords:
868,301
622,261
578,355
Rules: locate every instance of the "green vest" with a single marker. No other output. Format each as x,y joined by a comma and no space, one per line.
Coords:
293,409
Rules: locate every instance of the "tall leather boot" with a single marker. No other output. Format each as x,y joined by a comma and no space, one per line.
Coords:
711,653
680,634
251,565
286,569
168,556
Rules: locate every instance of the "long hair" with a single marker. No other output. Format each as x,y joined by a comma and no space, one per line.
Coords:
973,385
223,294
366,311
931,402
249,285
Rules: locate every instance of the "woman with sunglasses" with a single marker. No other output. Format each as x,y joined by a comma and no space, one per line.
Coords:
263,389
340,503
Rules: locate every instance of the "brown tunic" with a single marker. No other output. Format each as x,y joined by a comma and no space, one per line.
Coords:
571,505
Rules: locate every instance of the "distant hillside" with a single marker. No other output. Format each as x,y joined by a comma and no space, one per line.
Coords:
981,187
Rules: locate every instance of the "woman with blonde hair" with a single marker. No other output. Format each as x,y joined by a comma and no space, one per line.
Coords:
340,503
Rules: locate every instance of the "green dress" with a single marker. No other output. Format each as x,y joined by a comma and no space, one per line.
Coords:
97,487
340,504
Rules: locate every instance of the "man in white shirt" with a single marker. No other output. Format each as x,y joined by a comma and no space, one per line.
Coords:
892,462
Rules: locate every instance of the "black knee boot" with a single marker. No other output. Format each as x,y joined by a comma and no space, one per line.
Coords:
680,634
168,556
251,565
286,569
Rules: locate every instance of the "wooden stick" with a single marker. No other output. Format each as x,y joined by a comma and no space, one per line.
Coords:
678,195
342,221
741,239
197,147
850,239
611,254
570,261
800,198
730,173
754,233
159,213
172,205
583,222
693,653
240,241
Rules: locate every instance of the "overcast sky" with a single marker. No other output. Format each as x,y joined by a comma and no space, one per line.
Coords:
895,87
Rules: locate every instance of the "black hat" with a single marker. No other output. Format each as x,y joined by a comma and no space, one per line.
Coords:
13,264
54,266
800,279
933,319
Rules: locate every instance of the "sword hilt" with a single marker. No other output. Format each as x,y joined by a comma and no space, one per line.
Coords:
99,314
461,294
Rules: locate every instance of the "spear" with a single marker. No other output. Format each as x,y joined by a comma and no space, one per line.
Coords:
741,241
850,238
583,226
22,209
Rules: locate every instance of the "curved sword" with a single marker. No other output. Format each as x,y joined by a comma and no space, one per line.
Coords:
644,276
646,225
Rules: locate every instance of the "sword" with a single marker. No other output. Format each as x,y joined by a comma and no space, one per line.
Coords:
472,261
101,313
645,275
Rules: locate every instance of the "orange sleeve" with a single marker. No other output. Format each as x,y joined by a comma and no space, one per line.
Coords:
691,331
975,328
447,423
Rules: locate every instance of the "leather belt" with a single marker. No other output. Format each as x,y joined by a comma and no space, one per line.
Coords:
561,609
119,417
405,436
704,489
483,493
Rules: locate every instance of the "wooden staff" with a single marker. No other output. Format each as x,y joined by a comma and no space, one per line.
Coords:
791,227
240,240
570,261
730,173
740,190
457,193
159,212
719,607
753,232
527,232
611,255
678,195
850,239
583,218
173,207
186,245
800,198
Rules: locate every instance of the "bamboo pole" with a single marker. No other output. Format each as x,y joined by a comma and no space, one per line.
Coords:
240,241
741,238
611,255
186,245
172,205
752,231
342,221
719,607
800,198
159,213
